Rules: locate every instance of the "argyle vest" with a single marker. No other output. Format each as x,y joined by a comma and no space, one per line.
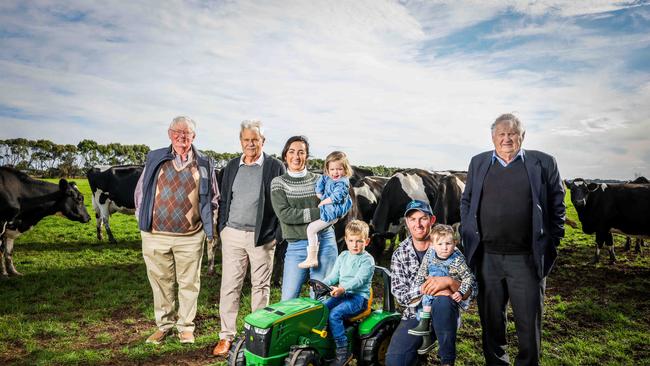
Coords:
176,204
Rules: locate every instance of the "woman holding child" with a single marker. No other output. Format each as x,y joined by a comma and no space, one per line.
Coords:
295,202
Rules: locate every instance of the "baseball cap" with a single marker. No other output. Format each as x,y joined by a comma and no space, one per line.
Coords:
418,205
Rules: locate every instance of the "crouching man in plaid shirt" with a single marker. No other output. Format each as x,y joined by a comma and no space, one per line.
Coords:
408,291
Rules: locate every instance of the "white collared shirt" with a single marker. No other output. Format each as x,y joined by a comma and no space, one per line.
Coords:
495,157
259,160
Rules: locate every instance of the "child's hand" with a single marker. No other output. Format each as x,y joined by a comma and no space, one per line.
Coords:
337,291
326,201
457,296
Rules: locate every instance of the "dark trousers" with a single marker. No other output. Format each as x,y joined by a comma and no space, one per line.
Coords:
510,277
341,308
403,347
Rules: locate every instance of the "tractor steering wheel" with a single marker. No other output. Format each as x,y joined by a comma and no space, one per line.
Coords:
320,289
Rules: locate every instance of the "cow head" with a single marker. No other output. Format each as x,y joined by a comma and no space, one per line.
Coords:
580,191
378,242
71,203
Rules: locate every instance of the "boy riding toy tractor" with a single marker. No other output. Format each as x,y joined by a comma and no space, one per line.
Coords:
294,332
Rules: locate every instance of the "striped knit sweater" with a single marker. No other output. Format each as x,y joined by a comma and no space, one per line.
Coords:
295,203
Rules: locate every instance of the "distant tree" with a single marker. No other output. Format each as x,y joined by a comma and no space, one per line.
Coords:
315,164
15,151
138,154
89,152
220,159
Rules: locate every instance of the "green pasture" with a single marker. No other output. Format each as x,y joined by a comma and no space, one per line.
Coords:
85,302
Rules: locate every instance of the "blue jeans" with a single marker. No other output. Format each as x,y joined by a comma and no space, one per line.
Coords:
403,347
293,277
341,308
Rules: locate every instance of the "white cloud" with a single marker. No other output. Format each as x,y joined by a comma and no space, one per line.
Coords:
350,75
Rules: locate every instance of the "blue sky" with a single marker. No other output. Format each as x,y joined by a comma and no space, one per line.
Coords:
398,83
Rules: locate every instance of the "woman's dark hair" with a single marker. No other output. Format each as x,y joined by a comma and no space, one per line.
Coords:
290,141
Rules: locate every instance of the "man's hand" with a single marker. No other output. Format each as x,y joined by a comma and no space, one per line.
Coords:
439,286
337,291
457,296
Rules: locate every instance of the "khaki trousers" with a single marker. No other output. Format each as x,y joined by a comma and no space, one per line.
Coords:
238,249
170,260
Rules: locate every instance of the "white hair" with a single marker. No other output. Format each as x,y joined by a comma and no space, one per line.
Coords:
511,120
252,124
190,122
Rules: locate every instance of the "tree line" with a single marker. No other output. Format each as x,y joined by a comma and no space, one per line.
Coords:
47,159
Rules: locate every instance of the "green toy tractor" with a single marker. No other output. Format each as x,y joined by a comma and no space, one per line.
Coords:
294,332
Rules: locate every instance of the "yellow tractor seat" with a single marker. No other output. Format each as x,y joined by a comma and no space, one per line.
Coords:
364,313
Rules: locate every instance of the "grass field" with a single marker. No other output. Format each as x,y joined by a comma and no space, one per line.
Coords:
85,302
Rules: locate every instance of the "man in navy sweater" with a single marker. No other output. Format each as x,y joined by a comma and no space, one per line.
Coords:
512,216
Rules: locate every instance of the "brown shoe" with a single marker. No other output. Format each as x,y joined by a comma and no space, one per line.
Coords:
157,336
222,348
186,336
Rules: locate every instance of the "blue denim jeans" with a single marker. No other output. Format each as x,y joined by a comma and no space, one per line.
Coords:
403,347
293,277
341,308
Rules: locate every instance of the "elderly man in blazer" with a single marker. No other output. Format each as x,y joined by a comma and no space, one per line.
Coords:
512,216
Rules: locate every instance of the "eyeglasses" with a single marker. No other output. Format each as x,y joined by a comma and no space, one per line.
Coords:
182,133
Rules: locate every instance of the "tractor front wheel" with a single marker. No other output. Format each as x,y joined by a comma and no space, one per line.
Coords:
236,353
302,357
373,349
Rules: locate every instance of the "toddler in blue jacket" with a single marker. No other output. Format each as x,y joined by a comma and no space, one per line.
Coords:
333,188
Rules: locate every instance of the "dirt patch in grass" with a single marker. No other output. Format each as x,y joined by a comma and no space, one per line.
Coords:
609,280
197,357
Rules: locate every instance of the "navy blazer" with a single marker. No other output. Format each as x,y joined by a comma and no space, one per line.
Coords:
548,207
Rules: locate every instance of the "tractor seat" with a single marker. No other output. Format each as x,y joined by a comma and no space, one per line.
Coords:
365,312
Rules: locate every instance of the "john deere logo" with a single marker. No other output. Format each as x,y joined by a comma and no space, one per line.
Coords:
251,338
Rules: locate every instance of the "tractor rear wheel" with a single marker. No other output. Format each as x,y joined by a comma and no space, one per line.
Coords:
373,349
236,353
302,357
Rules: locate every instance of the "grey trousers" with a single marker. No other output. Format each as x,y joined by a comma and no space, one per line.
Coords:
513,278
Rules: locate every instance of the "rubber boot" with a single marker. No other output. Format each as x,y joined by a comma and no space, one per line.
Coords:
423,328
343,356
427,345
312,257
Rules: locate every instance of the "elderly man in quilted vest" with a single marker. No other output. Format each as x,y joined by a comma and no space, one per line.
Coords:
176,198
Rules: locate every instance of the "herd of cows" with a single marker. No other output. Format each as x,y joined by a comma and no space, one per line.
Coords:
603,209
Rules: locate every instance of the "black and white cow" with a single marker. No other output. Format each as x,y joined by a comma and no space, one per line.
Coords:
606,208
358,173
638,241
213,244
112,191
25,201
442,190
368,192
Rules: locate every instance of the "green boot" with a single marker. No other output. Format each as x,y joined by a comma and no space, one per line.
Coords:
427,345
423,328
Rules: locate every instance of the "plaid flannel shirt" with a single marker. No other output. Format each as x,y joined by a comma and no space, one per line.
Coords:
458,270
404,266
